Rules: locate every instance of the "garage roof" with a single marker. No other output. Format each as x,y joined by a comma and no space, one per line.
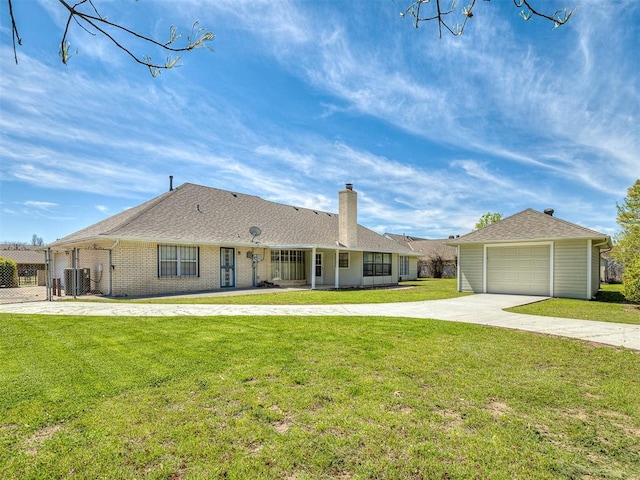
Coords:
530,225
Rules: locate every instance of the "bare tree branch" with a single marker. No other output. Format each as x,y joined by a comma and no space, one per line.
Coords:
14,32
436,13
560,17
92,22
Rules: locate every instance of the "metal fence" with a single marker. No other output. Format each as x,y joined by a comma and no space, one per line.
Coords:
27,283
74,272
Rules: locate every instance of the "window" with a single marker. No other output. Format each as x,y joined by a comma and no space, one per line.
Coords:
178,261
343,259
403,266
318,264
376,264
287,265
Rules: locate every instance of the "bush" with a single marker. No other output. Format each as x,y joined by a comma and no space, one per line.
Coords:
8,273
631,281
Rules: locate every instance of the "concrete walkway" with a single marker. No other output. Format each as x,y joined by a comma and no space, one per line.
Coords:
477,309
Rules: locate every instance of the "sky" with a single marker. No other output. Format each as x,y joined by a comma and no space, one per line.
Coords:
297,98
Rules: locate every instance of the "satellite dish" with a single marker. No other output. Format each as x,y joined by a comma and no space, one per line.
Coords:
255,231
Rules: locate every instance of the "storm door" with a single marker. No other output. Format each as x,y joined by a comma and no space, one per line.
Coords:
227,267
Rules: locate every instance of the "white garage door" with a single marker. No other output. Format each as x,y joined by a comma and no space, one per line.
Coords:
519,270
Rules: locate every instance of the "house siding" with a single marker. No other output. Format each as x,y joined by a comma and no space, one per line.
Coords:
570,269
352,276
471,264
413,269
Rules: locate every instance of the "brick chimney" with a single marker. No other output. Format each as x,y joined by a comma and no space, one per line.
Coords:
348,216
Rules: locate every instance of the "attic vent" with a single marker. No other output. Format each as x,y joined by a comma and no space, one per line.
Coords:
549,211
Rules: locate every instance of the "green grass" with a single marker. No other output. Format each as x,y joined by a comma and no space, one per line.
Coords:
418,290
609,306
310,398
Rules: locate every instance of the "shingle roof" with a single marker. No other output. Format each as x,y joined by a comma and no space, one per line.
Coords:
529,225
198,214
23,257
427,247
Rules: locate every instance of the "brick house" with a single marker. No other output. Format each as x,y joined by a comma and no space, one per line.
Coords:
196,238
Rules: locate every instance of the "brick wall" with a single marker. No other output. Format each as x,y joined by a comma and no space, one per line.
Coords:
136,270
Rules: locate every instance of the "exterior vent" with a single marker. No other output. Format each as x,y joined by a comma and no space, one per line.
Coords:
549,211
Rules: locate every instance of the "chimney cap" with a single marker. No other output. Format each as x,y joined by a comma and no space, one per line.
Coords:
549,211
349,186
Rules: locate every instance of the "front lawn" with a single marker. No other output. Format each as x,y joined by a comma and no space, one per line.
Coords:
609,306
413,291
310,398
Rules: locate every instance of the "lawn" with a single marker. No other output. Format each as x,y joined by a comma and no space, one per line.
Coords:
310,398
413,291
609,306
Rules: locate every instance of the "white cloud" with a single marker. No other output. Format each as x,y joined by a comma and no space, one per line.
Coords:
39,204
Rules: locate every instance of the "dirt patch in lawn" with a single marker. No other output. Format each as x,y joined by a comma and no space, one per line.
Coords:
33,444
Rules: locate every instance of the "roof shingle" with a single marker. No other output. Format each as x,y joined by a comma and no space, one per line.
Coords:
528,225
198,214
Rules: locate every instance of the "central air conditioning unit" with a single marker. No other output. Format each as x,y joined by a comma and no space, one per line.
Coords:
82,281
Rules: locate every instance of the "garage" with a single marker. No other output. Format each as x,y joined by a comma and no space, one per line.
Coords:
531,253
522,269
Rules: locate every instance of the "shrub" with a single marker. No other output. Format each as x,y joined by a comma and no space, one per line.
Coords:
631,281
8,273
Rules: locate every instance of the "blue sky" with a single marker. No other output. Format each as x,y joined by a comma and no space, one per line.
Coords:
300,97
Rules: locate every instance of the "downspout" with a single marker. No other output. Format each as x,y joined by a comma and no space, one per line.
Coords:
458,268
111,266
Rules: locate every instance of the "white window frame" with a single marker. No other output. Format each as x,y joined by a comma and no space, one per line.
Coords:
340,257
288,263
181,258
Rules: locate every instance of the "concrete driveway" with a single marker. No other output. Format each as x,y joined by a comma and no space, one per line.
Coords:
478,309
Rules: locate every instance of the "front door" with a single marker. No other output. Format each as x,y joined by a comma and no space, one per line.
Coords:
319,272
227,267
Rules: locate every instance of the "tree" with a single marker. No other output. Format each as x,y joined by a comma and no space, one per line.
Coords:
631,282
37,241
487,219
85,14
427,11
8,273
627,249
